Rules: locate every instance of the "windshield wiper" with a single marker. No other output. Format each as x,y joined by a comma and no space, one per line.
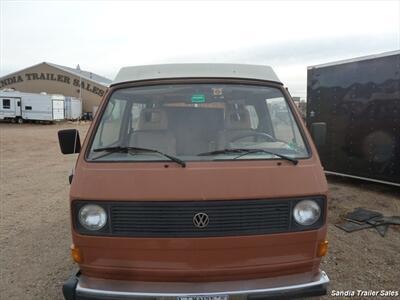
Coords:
245,151
128,149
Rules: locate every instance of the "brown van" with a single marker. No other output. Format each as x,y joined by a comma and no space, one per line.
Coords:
197,182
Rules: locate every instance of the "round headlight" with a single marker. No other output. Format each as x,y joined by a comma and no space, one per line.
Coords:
92,217
306,212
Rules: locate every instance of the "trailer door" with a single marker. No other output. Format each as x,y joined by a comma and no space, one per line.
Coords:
18,108
58,109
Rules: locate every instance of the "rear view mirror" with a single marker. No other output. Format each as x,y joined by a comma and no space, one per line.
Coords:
318,132
69,141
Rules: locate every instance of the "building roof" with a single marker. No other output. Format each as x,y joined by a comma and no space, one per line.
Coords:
361,58
164,71
83,74
77,72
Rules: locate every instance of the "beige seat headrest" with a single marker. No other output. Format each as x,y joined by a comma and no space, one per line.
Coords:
153,119
237,117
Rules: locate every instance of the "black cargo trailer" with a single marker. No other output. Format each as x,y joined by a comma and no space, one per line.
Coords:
353,111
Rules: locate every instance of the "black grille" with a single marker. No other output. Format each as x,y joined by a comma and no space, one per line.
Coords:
175,218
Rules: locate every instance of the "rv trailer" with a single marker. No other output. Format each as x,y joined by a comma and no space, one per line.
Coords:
358,102
19,107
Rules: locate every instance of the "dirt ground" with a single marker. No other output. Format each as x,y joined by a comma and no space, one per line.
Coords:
35,229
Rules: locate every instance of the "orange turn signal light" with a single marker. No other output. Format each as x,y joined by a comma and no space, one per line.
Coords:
76,254
322,248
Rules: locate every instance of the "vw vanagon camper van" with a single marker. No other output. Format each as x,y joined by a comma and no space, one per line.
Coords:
197,181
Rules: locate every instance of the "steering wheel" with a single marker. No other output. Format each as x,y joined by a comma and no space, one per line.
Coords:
256,135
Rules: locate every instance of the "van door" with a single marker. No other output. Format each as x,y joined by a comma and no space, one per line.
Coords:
58,109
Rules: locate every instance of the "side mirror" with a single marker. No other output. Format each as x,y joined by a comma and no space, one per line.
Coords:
318,132
69,141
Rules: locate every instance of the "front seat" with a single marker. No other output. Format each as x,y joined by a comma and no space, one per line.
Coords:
237,123
153,133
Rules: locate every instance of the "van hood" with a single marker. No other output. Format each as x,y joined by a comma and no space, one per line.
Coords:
198,181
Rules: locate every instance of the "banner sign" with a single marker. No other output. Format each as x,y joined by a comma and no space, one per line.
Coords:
52,77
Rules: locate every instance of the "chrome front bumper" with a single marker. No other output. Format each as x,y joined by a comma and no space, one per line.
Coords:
80,287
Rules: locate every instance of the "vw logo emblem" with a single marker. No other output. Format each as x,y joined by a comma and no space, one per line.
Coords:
200,220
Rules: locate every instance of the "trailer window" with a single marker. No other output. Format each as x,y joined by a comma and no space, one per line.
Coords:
6,103
28,107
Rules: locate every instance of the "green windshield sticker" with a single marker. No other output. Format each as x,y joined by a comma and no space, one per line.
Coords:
293,146
198,98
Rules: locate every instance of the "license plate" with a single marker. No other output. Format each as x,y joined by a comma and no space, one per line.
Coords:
203,298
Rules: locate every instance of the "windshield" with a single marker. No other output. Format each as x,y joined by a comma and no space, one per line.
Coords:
193,121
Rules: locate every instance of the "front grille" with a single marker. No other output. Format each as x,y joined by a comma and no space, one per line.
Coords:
175,218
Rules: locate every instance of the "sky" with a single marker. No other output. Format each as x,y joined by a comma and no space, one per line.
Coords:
103,36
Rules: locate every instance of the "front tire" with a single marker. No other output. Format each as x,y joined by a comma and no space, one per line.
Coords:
20,120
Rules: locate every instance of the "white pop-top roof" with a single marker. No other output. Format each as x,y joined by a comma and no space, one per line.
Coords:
166,71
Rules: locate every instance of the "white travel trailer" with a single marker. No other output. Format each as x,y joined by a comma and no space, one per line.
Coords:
17,107
73,108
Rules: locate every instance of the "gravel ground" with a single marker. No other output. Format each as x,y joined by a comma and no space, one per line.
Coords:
35,229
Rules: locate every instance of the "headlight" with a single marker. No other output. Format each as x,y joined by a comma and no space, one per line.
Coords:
306,212
92,217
